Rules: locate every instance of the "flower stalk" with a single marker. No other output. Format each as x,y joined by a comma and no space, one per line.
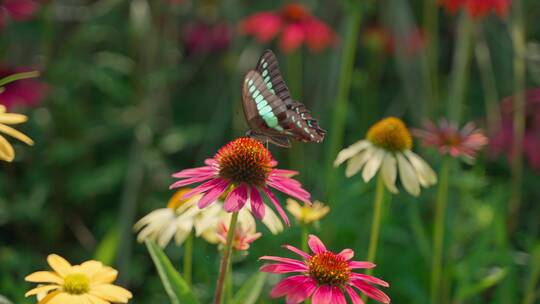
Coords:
188,259
438,232
376,222
225,260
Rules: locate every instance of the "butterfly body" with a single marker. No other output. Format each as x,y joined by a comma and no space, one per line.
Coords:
269,110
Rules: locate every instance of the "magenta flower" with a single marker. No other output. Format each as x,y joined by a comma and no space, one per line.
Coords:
201,38
25,92
295,25
17,10
503,140
449,139
324,277
242,169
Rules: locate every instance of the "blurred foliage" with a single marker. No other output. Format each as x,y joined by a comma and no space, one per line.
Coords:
129,104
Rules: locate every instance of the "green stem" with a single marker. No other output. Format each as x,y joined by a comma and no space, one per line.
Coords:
534,278
376,221
460,68
18,76
431,24
225,260
304,237
485,66
188,258
518,40
438,232
339,117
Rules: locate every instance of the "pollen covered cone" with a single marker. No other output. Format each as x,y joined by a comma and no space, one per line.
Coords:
90,282
243,169
323,276
387,151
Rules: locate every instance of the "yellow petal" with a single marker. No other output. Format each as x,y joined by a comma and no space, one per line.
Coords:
65,298
6,150
90,268
44,277
16,134
111,293
59,264
41,289
95,300
12,118
49,297
104,275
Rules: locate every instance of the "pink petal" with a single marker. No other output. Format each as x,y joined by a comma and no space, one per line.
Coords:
284,186
291,38
279,209
337,296
370,279
346,254
236,199
283,172
204,187
212,195
318,35
189,181
301,253
195,172
371,291
301,291
264,25
282,260
361,265
20,10
323,295
283,287
257,206
355,298
316,244
282,268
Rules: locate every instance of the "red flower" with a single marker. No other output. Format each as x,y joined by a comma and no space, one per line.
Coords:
17,10
503,140
26,92
477,8
294,23
200,38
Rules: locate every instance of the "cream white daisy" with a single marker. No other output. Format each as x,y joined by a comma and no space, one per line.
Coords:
387,149
182,216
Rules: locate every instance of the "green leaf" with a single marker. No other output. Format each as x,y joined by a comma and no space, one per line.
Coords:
489,281
177,289
107,248
250,292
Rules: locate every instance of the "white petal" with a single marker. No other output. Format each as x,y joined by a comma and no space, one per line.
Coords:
389,172
408,175
356,163
426,175
350,151
373,165
272,221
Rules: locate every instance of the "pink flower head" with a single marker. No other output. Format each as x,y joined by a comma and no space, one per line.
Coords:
243,168
295,25
243,236
324,276
503,140
26,92
17,10
201,38
478,8
449,139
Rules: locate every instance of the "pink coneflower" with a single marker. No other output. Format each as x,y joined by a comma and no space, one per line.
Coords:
503,140
17,10
25,92
449,139
294,23
324,277
243,167
477,8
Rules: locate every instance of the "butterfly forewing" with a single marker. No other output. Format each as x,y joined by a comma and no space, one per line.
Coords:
268,67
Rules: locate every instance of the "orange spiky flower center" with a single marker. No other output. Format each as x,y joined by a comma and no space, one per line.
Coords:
328,268
390,134
294,12
245,160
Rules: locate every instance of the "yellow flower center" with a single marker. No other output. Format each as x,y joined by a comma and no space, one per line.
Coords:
328,268
176,200
76,284
244,160
390,134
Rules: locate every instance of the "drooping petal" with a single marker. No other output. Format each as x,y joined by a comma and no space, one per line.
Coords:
292,37
407,175
356,163
276,204
316,244
302,291
351,151
301,253
213,194
236,199
337,296
426,175
355,298
202,188
373,165
389,172
370,279
371,291
283,287
290,187
323,295
257,206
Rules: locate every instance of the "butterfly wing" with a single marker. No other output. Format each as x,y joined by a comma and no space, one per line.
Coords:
268,67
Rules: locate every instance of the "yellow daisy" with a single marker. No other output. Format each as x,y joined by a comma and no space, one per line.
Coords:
387,149
6,149
306,214
90,282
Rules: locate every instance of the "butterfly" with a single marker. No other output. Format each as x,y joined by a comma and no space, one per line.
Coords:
272,115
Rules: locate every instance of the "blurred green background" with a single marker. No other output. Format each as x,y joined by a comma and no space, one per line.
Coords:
132,97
